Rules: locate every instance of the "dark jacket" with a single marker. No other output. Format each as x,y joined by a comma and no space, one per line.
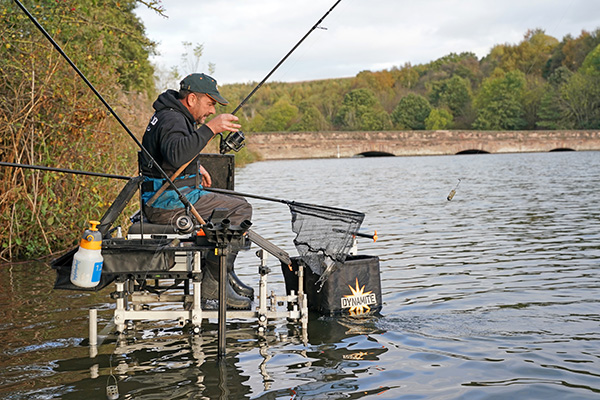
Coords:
171,137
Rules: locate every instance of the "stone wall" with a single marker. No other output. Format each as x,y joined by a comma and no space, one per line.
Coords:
290,145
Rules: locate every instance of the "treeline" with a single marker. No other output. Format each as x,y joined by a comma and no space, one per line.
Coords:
539,83
50,117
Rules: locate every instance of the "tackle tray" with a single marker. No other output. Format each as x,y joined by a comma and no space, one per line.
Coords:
124,256
133,258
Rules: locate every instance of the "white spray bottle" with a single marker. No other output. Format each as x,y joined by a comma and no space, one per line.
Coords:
87,262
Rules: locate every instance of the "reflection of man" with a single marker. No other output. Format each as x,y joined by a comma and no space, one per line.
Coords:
173,138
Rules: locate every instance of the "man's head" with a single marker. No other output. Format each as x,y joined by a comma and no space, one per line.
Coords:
199,95
201,83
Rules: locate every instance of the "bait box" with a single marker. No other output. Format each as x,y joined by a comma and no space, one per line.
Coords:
354,289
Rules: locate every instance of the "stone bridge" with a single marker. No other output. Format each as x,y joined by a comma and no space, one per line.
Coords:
289,145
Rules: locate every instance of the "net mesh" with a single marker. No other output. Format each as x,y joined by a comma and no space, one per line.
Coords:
324,235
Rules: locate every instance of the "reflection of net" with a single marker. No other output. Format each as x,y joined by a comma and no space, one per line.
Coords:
323,235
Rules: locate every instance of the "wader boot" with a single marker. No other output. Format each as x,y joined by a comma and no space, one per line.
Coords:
210,285
240,287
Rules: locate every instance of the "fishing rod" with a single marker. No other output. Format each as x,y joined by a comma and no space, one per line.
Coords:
315,26
234,141
64,170
169,182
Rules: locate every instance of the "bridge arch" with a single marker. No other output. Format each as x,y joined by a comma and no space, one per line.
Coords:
473,151
562,149
375,154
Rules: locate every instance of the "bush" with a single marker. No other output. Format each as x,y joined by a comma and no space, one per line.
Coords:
51,118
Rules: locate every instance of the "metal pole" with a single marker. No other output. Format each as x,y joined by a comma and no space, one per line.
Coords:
222,328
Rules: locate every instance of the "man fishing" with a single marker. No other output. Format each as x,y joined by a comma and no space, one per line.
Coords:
176,134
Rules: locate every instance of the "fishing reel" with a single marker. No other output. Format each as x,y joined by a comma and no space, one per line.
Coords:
234,141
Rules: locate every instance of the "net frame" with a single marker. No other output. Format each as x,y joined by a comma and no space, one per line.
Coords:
324,235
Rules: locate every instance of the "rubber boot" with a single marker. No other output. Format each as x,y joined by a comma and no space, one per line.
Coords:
210,286
240,287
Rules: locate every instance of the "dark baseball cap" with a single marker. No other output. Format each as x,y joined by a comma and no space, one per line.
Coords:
202,83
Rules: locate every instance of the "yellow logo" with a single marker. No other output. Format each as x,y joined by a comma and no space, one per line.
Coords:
358,302
359,356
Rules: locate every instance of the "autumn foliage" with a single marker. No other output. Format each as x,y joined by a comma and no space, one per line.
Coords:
538,83
50,117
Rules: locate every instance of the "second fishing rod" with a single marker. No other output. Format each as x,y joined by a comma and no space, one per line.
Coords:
235,140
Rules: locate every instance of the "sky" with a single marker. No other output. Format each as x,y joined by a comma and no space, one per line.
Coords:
245,39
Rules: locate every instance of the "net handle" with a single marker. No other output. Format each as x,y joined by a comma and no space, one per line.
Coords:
288,202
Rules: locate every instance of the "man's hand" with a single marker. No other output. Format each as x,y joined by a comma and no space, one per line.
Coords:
224,122
206,179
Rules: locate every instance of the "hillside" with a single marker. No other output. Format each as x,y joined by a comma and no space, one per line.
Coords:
539,83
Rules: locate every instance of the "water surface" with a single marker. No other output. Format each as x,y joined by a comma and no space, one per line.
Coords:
492,295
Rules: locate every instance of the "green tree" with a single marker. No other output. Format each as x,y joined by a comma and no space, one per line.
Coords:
360,110
439,118
500,103
572,100
532,97
311,120
551,113
580,101
103,33
591,64
530,56
411,112
280,116
453,93
405,77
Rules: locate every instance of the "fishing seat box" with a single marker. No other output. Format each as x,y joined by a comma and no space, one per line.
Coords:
354,289
142,257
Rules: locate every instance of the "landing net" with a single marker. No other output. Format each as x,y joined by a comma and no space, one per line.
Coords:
324,235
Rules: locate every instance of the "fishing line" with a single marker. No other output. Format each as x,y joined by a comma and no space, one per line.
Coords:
112,391
548,33
285,57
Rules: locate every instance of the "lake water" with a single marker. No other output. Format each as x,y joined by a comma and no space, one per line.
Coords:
493,295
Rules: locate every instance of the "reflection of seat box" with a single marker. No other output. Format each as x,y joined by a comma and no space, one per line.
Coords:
353,289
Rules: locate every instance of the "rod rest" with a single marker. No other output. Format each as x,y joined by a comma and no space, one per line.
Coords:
223,233
152,229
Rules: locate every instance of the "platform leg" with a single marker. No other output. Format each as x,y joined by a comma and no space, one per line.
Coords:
222,330
120,307
304,313
197,296
303,304
263,270
93,327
